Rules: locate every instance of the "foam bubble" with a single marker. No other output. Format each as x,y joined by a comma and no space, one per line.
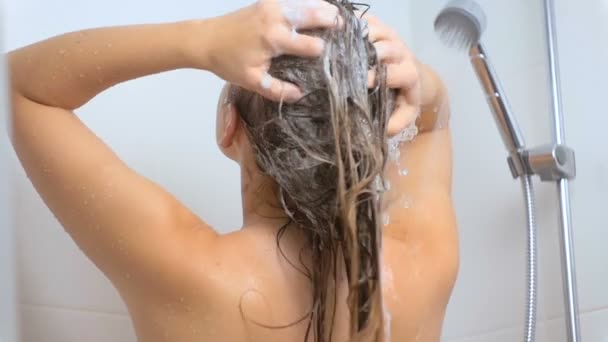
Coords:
266,81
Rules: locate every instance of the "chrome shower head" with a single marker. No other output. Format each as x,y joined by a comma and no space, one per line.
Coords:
461,24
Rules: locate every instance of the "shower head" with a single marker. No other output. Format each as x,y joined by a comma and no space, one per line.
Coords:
461,24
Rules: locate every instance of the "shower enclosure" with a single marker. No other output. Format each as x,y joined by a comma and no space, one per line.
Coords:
527,39
488,302
463,22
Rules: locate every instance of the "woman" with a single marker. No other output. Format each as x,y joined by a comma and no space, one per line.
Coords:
326,253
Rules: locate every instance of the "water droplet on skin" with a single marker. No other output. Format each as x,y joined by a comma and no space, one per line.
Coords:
98,68
128,276
181,300
387,185
81,75
386,219
95,52
436,109
404,172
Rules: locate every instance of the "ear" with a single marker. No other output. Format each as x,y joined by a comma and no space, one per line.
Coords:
230,124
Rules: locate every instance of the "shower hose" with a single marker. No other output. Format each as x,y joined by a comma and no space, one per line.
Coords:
532,249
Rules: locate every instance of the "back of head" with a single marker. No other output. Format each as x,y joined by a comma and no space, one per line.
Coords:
327,154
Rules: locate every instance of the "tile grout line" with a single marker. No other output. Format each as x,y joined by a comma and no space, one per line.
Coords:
74,310
479,334
596,310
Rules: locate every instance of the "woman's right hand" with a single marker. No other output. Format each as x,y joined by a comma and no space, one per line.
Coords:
248,39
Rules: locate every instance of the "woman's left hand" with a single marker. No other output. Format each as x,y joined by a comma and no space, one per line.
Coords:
402,73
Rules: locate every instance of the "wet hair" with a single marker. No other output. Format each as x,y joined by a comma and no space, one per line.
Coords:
327,154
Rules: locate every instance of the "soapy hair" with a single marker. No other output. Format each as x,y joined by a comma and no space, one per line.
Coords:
327,154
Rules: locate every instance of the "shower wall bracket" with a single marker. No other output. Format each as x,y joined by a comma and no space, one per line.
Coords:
550,162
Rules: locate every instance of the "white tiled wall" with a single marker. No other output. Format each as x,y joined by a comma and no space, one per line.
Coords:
63,297
7,245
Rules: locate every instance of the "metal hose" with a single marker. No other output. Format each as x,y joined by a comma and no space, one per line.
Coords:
530,328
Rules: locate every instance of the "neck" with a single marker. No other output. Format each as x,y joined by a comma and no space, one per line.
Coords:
261,206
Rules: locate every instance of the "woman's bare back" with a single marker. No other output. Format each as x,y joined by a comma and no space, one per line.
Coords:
250,291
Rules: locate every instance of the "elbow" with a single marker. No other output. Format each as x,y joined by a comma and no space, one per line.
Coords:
27,81
435,107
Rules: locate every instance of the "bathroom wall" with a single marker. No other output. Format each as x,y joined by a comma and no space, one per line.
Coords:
162,126
63,297
489,299
7,245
